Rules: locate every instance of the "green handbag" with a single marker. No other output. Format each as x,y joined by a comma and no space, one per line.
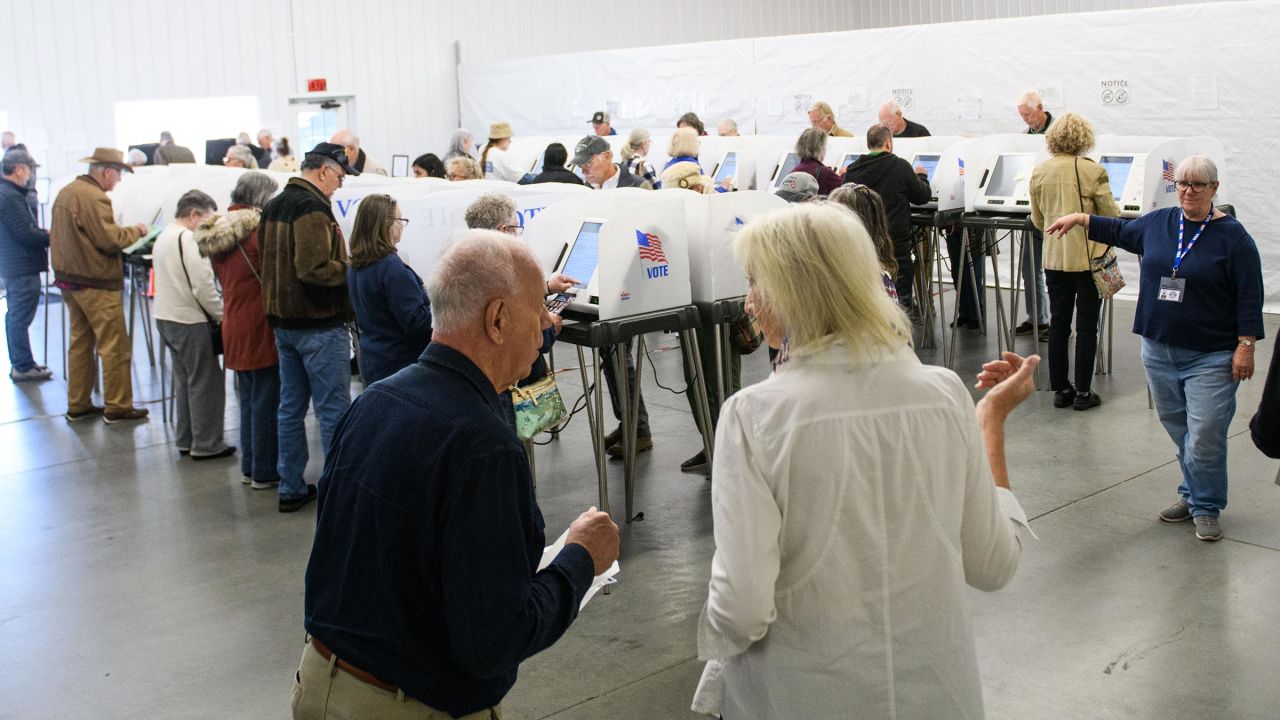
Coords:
539,407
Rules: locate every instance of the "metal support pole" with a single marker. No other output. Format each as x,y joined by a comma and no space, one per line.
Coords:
694,358
591,396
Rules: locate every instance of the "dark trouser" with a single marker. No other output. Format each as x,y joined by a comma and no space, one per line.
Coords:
23,298
904,252
972,307
606,359
259,394
1068,292
732,381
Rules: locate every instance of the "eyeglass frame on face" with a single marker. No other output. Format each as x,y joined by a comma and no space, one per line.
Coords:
337,171
1193,185
516,230
404,221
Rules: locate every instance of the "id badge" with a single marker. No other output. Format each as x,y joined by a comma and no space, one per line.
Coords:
1172,289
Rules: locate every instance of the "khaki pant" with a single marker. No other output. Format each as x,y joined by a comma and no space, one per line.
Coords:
97,321
324,691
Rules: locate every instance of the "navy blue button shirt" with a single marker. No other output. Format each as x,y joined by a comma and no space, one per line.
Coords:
428,536
393,314
1223,297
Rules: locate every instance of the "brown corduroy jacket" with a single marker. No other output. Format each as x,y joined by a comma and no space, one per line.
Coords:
304,260
85,242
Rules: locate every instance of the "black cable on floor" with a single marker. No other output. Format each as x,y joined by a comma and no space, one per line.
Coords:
574,411
654,368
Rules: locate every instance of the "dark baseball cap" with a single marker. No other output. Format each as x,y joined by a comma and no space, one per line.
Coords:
601,117
19,156
587,148
334,152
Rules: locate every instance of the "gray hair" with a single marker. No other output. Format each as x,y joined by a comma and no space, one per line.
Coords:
254,189
192,201
1030,99
263,131
137,157
631,148
893,107
729,123
312,162
481,266
345,138
812,145
1199,167
243,154
456,142
490,211
166,136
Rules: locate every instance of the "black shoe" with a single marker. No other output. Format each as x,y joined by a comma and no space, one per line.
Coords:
1086,400
1064,398
1024,328
614,437
1044,333
697,463
111,417
224,452
184,452
294,504
963,323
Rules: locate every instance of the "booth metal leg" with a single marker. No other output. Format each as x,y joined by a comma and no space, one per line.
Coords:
1002,324
966,265
942,305
634,417
924,286
626,401
44,277
1028,254
594,401
725,369
699,389
722,356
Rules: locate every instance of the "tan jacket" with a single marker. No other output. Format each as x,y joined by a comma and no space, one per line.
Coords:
837,131
84,240
170,154
1055,193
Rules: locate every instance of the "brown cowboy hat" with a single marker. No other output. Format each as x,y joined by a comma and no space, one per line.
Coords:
107,156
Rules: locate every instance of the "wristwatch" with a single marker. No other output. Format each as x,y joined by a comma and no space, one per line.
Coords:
1247,342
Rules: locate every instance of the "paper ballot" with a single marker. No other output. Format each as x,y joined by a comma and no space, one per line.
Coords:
550,552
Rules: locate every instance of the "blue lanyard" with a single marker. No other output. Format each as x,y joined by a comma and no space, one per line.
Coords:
1182,251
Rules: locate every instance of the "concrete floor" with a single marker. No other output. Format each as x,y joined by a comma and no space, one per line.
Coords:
137,584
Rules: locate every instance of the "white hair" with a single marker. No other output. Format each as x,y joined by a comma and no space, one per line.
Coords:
243,154
481,266
892,106
729,123
1030,99
1198,167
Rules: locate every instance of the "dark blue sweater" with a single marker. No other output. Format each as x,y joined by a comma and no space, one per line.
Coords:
393,315
1223,296
428,535
24,246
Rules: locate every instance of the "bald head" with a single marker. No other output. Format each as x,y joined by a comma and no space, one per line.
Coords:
345,138
487,303
8,139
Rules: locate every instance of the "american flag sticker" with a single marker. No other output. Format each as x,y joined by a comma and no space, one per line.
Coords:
961,162
650,248
1167,170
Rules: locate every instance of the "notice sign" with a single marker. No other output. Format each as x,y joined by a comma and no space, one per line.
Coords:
905,97
1115,92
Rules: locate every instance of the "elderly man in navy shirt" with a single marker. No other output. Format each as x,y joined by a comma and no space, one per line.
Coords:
422,593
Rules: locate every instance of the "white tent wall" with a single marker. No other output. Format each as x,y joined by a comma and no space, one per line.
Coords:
1206,69
68,61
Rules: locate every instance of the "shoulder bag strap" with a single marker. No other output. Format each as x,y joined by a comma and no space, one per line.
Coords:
183,262
1080,194
249,262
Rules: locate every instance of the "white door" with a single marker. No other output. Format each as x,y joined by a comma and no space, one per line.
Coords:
316,119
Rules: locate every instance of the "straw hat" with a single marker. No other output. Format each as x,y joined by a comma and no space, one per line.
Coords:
107,156
499,131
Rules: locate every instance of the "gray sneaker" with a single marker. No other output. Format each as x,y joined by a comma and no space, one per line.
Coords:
35,373
1177,512
1207,528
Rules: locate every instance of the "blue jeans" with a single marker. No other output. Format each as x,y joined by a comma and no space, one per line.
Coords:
23,293
315,366
259,393
1196,399
1033,288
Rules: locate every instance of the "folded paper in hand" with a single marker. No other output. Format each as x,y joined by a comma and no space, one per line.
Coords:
608,577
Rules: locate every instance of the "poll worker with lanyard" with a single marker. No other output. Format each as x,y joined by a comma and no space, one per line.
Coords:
1199,314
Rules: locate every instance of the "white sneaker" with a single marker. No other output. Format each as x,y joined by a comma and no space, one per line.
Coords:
35,373
263,485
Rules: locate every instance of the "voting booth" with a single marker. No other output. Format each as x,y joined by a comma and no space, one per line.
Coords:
1001,173
628,246
713,223
1141,169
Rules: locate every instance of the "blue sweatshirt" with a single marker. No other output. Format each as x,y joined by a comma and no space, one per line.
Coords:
423,572
1223,296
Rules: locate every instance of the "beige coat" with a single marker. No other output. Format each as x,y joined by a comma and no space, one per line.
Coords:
84,239
1055,193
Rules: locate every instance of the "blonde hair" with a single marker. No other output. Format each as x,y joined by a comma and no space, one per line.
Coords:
815,270
631,147
684,143
823,109
1069,135
687,176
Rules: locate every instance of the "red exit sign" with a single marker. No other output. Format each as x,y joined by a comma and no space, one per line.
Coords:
317,85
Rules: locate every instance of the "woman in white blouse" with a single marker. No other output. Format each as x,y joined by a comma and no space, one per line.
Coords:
186,302
853,498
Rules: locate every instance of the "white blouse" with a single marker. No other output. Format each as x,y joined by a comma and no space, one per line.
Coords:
853,502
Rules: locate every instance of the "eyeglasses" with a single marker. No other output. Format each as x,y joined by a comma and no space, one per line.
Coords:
511,229
402,220
1194,186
